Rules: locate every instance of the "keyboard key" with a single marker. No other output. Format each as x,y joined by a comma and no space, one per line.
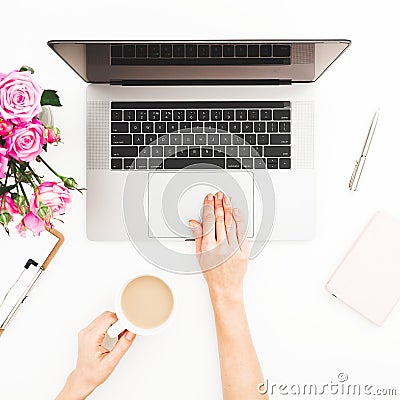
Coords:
194,151
216,50
204,115
197,127
129,115
229,115
284,163
216,115
151,139
185,126
116,163
272,127
155,163
141,115
272,161
166,50
141,50
121,139
154,115
182,151
166,115
154,50
191,115
169,151
191,51
281,115
138,139
210,127
129,163
247,163
266,115
204,50
229,50
124,151
241,50
188,139
172,127
156,151
219,151
206,151
259,163
144,151
213,139
175,139
179,115
244,151
272,166
284,126
116,115
147,127
161,127
265,50
241,115
201,139
253,50
280,138
250,138
254,115
135,127
225,139
277,151
259,127
179,50
247,127
141,163
196,163
281,50
257,151
232,163
116,51
232,151
234,127
163,140
119,127
262,139
238,139
222,127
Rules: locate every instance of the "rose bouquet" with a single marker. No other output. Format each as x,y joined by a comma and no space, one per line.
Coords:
26,131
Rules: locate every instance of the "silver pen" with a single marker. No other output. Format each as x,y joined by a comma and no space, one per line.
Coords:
358,168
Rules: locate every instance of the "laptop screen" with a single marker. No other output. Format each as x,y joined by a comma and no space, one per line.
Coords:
199,62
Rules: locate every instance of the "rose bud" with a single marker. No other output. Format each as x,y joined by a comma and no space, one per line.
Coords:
5,127
52,135
69,183
5,219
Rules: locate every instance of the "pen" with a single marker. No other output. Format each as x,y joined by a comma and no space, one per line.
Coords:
358,168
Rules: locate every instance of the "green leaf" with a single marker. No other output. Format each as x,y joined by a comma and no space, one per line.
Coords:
50,98
26,68
6,189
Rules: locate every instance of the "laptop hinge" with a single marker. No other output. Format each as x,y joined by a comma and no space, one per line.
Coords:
201,82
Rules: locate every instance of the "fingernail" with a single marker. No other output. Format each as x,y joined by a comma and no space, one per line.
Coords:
192,224
209,196
129,335
220,195
236,211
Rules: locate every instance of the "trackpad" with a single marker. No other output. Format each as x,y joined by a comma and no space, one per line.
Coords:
176,197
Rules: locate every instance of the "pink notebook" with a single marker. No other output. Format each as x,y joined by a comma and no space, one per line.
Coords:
368,278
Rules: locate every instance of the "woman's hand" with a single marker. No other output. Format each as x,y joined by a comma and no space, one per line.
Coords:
221,247
95,363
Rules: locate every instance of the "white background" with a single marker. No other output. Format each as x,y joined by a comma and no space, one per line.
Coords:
302,334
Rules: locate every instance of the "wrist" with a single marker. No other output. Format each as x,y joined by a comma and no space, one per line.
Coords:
226,299
76,388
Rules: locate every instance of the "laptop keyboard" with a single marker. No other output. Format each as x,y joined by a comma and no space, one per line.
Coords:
176,135
200,54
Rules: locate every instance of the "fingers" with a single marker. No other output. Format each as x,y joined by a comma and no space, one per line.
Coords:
197,234
240,230
208,220
219,217
102,322
230,226
121,347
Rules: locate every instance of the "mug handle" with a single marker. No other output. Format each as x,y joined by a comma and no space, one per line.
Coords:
115,329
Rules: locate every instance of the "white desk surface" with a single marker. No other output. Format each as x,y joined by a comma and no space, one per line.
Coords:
302,334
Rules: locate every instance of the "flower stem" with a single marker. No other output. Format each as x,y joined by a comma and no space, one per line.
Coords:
23,192
34,174
48,166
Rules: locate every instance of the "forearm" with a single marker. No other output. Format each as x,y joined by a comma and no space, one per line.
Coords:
240,369
74,389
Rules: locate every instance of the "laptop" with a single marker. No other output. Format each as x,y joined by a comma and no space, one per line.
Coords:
170,121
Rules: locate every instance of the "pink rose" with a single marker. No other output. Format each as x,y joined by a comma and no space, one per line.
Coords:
51,199
5,127
3,162
52,135
26,141
9,205
30,222
20,96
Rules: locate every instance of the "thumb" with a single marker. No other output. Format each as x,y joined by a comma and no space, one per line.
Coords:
121,347
197,230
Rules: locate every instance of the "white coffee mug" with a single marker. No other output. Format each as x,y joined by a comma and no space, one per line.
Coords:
124,323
